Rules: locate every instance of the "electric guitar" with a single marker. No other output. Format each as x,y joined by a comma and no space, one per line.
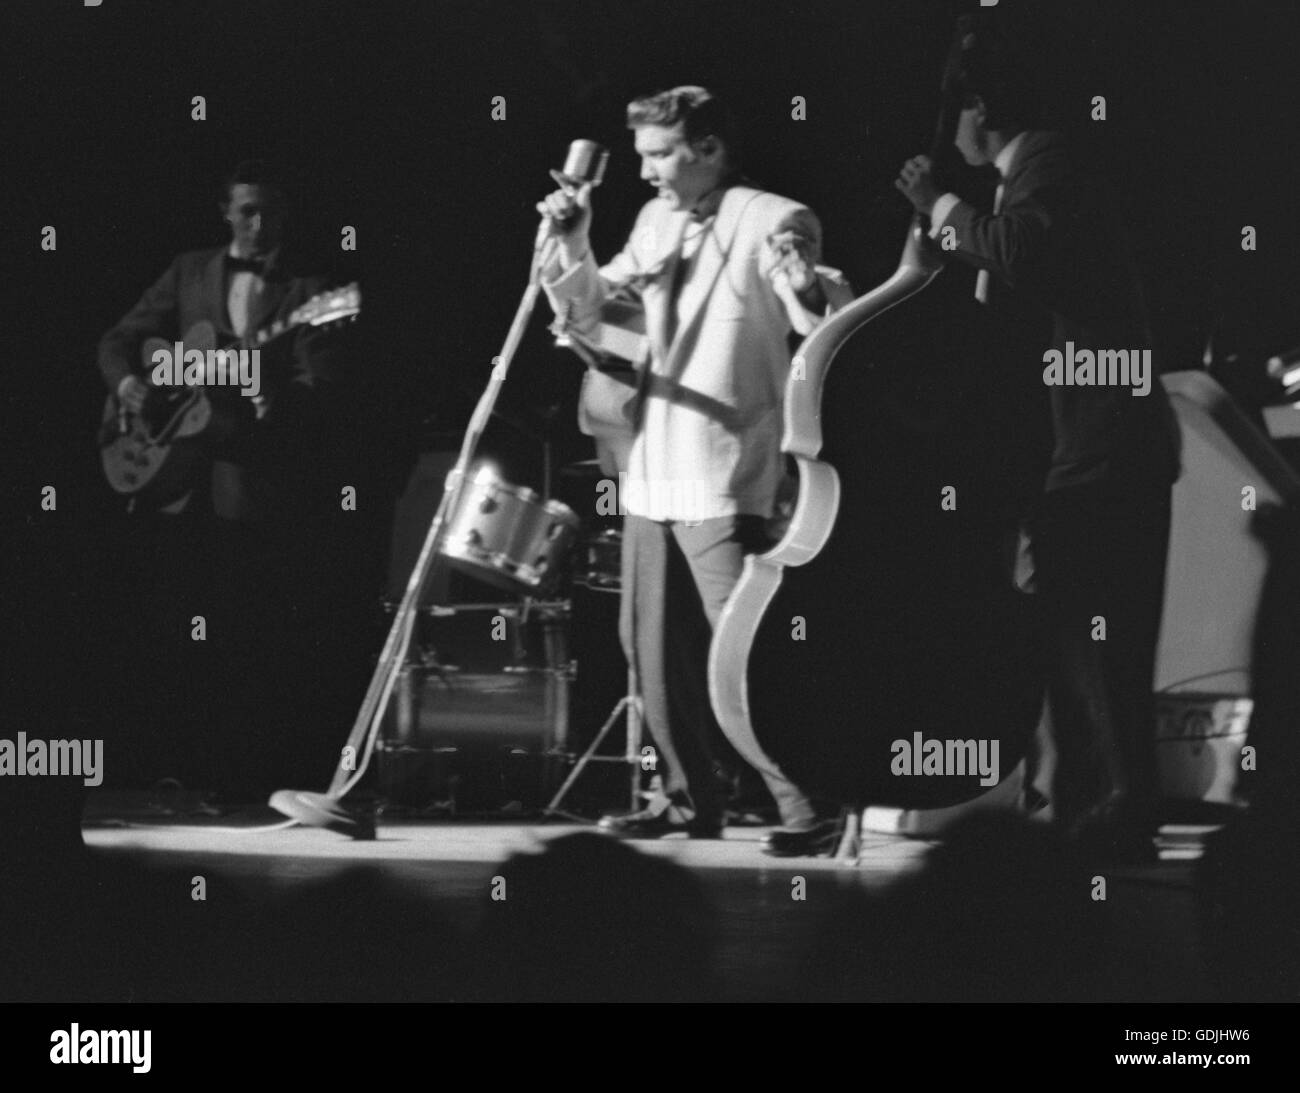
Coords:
615,355
150,455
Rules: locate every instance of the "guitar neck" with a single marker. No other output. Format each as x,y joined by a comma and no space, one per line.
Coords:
267,334
323,309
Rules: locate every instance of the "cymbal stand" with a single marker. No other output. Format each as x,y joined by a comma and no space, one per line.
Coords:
629,706
567,336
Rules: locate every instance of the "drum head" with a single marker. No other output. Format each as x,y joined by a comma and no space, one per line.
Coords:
507,536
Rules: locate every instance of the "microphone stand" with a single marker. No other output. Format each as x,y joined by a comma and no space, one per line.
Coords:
323,810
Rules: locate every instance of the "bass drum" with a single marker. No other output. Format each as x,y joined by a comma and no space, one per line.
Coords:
886,619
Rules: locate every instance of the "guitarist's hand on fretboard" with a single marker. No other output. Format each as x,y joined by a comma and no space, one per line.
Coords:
131,393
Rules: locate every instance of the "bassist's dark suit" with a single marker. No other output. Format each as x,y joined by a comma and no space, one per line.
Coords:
1102,523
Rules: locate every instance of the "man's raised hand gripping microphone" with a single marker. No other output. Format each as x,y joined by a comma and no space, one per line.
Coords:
566,213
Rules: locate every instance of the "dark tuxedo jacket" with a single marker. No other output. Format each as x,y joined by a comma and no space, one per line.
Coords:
266,467
1055,253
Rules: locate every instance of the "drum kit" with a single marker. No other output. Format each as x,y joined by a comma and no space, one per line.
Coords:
517,542
480,720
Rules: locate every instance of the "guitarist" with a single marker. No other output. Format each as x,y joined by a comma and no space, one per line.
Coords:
257,542
240,288
724,273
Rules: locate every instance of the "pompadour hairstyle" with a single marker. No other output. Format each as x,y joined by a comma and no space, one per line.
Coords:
701,113
256,172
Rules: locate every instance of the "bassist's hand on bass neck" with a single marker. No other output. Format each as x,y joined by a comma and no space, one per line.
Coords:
916,183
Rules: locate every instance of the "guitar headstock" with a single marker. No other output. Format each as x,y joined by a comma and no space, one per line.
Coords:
329,307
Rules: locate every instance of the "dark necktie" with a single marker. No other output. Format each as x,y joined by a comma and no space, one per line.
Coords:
687,255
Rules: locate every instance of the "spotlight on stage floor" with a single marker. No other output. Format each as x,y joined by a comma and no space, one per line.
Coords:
321,810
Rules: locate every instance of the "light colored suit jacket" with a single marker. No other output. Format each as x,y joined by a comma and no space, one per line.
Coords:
708,424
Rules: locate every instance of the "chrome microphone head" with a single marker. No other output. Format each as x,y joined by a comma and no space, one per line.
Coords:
585,163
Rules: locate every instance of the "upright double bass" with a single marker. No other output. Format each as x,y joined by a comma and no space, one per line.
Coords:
884,620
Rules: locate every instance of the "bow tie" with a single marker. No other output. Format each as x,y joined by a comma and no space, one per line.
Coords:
252,265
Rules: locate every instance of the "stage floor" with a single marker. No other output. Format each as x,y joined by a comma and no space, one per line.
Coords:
399,844
764,935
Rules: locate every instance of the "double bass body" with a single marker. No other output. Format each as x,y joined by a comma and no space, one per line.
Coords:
883,613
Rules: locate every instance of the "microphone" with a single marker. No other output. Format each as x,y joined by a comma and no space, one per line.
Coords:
585,163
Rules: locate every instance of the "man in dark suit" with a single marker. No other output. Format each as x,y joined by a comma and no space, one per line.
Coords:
241,288
258,543
1050,252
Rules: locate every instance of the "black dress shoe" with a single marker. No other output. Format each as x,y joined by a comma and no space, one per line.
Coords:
1115,844
1116,847
816,841
655,823
1032,802
1116,833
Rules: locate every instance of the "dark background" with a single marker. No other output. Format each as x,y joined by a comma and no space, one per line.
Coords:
384,112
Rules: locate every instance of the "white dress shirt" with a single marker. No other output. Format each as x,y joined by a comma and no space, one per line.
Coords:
243,294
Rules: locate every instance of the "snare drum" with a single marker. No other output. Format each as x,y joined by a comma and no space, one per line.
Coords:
507,535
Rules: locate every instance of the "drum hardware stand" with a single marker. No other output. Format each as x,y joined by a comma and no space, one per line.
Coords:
630,707
320,810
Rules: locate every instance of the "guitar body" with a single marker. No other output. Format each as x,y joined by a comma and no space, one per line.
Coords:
616,354
882,614
154,455
607,410
155,458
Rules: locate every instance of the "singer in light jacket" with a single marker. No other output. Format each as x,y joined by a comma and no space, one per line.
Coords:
724,273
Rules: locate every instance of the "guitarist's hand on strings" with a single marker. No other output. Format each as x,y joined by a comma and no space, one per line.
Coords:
131,393
567,212
916,183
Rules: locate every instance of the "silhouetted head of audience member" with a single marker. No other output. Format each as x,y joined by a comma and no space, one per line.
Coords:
1248,892
1248,882
590,919
1000,911
1269,782
135,931
363,936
